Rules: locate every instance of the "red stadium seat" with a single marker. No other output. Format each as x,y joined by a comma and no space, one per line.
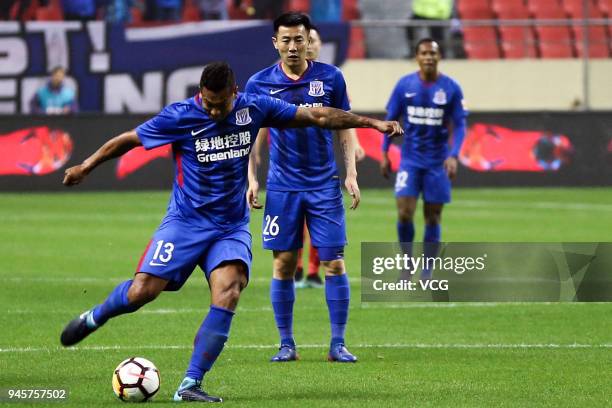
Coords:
299,5
464,6
476,10
350,10
605,6
507,10
240,12
191,12
598,41
357,43
546,9
575,9
481,43
518,42
554,42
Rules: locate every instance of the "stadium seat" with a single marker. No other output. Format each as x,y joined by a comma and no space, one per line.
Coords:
550,9
575,9
510,10
554,41
357,43
605,6
481,43
298,5
350,10
598,41
518,42
476,10
28,14
191,12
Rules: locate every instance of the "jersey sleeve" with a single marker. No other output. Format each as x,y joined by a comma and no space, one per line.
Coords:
340,97
458,115
162,129
251,87
277,112
394,111
394,105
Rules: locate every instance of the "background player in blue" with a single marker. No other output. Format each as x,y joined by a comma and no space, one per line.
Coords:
303,184
428,102
207,219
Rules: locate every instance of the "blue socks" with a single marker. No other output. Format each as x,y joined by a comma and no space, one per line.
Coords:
337,294
405,231
116,304
209,341
282,295
431,246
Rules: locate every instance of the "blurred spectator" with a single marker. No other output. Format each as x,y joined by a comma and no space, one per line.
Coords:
7,5
118,11
82,10
389,41
326,10
213,10
431,10
268,9
55,98
169,10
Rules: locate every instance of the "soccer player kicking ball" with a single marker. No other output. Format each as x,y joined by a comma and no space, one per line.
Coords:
428,101
206,224
303,184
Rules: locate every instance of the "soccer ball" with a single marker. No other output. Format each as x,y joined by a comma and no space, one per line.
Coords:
136,380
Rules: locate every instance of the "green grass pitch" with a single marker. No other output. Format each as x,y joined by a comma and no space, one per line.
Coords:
62,253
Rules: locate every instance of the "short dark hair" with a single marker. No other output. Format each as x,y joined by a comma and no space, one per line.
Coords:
314,27
57,68
424,41
217,76
292,19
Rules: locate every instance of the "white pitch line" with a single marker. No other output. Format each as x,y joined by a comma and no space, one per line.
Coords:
551,346
361,306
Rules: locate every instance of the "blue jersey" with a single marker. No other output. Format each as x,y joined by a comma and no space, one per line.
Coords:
427,108
302,159
211,158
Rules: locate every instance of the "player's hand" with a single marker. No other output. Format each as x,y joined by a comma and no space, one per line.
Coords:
391,127
353,189
252,196
450,166
359,153
74,175
385,166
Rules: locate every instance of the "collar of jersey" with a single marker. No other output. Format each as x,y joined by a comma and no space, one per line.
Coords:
280,67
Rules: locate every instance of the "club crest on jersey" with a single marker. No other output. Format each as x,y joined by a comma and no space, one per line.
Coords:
316,88
440,97
243,117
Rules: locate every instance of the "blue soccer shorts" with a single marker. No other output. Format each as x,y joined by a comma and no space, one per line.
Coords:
323,211
177,247
433,183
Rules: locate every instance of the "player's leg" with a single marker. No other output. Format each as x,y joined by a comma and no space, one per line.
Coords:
326,223
166,263
436,192
314,263
226,264
283,233
127,297
282,297
408,185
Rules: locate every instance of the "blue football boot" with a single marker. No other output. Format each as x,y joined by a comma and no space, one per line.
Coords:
286,352
338,352
190,390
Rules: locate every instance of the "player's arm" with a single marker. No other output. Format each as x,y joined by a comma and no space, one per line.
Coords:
254,162
347,142
394,110
459,126
332,118
115,147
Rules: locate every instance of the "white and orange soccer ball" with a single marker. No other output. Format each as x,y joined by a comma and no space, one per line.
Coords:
136,380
